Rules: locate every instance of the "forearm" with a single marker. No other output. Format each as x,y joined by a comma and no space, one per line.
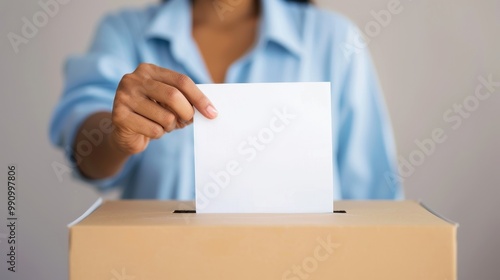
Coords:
98,157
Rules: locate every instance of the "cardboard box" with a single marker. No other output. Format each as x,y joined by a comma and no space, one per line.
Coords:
145,240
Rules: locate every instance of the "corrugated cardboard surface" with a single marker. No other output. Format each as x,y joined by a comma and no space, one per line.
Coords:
144,240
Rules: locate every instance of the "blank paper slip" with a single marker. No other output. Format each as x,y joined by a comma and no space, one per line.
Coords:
268,151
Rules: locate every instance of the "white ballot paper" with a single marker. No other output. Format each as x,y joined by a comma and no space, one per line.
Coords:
268,151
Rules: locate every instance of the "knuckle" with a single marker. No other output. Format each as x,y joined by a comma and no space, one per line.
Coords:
150,84
127,100
126,81
183,81
127,77
169,121
188,114
173,94
180,125
122,97
171,127
144,67
156,131
170,118
144,70
119,115
127,88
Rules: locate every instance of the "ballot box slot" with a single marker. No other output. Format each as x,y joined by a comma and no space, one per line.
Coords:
194,212
184,212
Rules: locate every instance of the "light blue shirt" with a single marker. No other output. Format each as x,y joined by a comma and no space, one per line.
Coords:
296,43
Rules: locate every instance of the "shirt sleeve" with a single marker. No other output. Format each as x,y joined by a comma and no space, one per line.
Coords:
90,84
366,151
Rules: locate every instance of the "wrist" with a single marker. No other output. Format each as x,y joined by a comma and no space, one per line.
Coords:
114,145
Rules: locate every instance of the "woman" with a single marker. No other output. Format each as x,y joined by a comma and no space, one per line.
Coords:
107,119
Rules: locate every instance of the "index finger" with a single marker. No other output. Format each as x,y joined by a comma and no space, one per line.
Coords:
186,86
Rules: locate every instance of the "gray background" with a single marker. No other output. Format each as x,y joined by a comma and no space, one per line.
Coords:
428,58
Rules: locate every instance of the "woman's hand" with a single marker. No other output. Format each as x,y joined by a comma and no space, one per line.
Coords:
152,101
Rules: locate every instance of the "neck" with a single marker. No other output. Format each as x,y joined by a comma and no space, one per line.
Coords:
224,12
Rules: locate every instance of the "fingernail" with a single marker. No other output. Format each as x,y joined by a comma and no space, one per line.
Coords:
212,112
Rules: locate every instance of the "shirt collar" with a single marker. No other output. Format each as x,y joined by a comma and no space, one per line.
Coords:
279,26
173,22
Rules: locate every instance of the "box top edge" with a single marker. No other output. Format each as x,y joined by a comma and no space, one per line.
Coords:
358,213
